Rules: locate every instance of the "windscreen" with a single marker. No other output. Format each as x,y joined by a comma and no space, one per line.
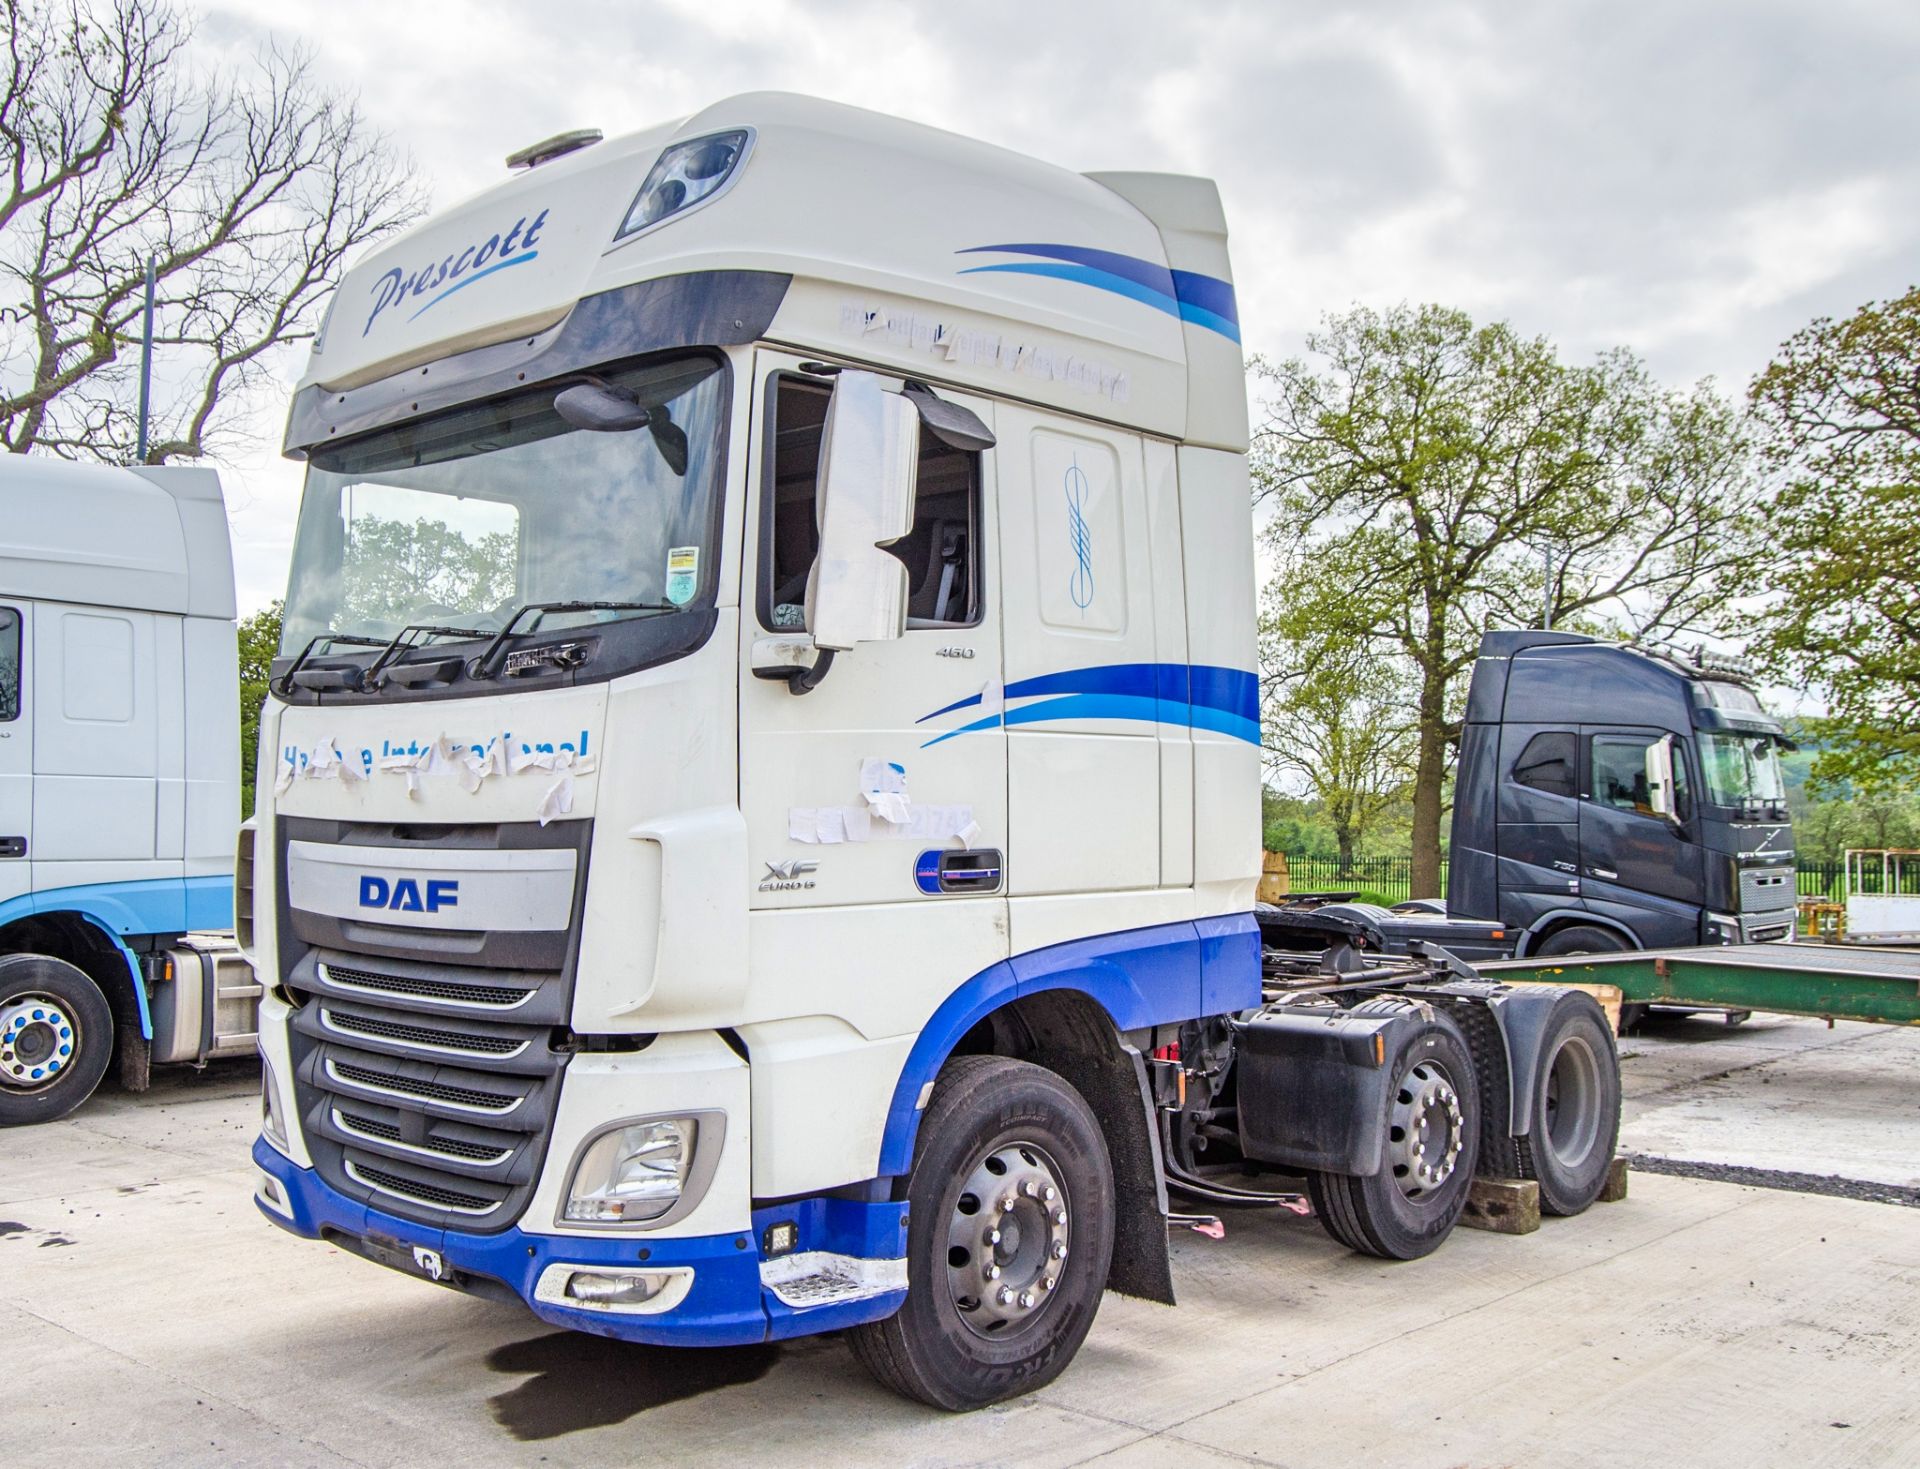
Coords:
1741,769
459,519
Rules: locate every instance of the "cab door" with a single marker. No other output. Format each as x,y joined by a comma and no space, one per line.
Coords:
1634,865
16,751
886,783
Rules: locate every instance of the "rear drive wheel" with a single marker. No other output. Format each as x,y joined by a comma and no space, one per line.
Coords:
56,1037
1576,1107
1009,1236
1585,938
1410,1206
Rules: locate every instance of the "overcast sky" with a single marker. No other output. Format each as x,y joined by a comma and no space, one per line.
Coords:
1691,180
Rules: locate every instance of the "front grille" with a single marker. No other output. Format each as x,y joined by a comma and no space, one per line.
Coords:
1766,889
338,976
427,1064
432,1039
424,1193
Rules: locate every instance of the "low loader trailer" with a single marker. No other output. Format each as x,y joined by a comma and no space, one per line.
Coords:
759,798
1826,981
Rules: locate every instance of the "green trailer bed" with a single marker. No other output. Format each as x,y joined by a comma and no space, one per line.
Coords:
1881,985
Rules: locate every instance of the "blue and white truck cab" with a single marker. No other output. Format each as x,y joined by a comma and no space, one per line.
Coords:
119,780
759,800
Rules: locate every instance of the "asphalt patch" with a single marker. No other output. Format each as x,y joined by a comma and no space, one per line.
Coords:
1830,1185
580,1381
10,1227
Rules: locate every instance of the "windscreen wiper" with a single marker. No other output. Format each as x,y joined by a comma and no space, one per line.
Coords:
408,638
339,678
487,665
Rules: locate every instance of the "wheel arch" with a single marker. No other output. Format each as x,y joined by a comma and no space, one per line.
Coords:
1060,1022
90,944
1548,924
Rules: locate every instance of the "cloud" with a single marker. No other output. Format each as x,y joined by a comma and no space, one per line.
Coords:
1693,180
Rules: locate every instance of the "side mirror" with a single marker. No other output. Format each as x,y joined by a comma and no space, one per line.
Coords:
1660,792
869,456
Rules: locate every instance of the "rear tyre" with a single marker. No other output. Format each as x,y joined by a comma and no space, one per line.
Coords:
1410,1206
1009,1237
1576,1108
56,1038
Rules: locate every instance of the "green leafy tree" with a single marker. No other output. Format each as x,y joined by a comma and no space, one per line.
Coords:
259,641
1337,722
1841,408
1430,479
398,569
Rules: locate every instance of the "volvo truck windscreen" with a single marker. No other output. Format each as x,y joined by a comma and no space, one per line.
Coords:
463,519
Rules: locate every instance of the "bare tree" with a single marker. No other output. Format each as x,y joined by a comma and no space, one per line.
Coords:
246,194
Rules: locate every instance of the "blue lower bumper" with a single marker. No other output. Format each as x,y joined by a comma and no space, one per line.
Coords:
726,1306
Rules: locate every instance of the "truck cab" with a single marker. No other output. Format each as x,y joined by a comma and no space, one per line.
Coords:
119,780
759,796
1617,797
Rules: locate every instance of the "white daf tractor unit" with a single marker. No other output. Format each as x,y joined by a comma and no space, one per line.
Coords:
759,802
119,781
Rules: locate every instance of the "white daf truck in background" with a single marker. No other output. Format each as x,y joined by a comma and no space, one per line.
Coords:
119,781
759,800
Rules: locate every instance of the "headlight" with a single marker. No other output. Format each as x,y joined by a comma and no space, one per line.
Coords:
1722,929
688,174
631,1174
272,1126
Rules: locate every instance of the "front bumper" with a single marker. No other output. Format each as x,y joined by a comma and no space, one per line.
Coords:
726,1302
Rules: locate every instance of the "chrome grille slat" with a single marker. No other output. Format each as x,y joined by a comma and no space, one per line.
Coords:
440,991
408,1088
421,1037
373,1130
434,1196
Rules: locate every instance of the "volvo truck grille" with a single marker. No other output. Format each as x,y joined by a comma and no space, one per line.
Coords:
428,1063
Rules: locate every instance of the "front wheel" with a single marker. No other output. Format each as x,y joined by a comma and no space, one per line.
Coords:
1009,1236
1408,1207
56,1037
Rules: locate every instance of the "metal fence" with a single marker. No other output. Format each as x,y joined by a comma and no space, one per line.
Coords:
1391,877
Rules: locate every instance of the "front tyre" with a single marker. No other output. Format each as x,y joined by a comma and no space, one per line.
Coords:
56,1037
1009,1236
1576,1107
1407,1208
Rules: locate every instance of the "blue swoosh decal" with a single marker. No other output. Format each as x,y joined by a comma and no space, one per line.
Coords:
478,275
1204,300
1200,696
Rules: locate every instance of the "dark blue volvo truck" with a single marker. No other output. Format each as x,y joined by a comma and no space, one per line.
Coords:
1616,797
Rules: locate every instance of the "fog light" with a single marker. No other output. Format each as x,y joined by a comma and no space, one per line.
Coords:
267,1189
633,1173
616,1290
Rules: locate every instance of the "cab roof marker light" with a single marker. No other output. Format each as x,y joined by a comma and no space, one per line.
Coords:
548,149
687,175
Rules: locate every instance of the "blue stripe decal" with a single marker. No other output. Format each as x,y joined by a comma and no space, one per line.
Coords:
478,275
1200,696
1203,300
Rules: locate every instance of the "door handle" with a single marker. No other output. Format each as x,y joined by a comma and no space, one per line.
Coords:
975,870
1606,872
13,846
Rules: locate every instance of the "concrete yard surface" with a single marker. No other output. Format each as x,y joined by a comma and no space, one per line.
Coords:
148,1314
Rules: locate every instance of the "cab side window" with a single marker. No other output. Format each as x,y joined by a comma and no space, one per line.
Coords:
1620,775
1547,764
941,552
9,664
